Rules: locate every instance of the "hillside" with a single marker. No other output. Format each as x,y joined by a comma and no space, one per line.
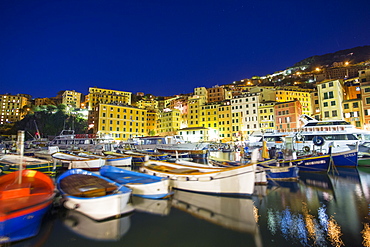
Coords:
353,55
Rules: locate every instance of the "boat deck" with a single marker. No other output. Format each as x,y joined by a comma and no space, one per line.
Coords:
86,186
131,179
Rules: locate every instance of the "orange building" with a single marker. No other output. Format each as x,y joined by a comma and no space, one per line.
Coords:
287,115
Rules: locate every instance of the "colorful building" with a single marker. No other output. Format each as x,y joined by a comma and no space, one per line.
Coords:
13,108
121,122
287,116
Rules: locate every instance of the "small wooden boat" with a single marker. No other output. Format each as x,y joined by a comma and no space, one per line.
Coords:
74,161
142,185
140,156
123,161
25,197
93,195
233,181
10,163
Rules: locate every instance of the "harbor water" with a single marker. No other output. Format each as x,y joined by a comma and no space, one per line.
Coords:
319,210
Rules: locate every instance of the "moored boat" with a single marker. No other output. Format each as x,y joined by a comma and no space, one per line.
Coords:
25,197
234,181
93,195
142,185
10,163
123,161
71,161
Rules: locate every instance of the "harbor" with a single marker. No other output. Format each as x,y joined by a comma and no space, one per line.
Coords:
320,209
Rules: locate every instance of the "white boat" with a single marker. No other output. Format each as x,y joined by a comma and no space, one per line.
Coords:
175,142
68,140
234,181
120,160
71,161
93,195
317,135
107,230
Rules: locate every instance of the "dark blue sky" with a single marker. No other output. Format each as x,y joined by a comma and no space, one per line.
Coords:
165,47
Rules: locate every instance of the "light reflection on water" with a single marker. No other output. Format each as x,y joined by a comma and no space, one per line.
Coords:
318,210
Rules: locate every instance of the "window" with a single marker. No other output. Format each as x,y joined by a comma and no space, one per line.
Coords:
326,114
325,104
355,105
331,95
334,113
330,84
326,95
332,103
346,106
323,86
367,100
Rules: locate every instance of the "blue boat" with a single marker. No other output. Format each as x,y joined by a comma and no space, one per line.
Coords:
142,185
276,172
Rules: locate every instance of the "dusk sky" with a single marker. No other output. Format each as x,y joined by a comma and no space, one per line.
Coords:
165,47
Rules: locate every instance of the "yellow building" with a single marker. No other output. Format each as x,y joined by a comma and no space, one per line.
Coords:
209,119
330,99
12,108
224,121
106,96
194,108
120,122
149,104
152,122
169,122
266,116
72,98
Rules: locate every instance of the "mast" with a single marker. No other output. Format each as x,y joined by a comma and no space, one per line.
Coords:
20,145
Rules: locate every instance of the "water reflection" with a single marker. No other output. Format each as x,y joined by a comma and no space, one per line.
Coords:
326,210
107,230
159,207
238,214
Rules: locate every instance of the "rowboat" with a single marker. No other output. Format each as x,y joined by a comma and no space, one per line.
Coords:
107,230
93,195
10,163
25,197
233,181
142,185
123,161
74,161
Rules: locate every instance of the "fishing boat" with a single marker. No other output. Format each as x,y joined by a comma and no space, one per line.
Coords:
10,163
142,185
72,161
68,140
107,230
233,181
93,195
25,197
123,161
192,153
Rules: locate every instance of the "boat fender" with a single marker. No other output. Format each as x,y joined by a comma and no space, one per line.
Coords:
71,205
306,149
318,141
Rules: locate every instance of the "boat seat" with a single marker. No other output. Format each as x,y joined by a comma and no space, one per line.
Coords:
86,186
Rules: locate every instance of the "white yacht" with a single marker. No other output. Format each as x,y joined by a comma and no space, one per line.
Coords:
318,134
